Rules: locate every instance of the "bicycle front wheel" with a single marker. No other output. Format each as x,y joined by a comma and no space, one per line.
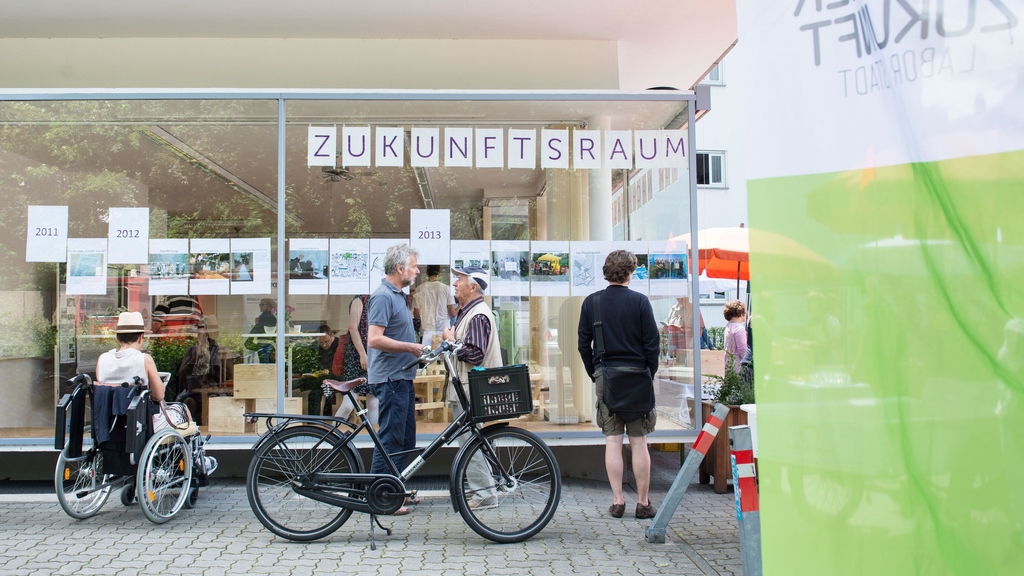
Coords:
286,461
77,482
507,485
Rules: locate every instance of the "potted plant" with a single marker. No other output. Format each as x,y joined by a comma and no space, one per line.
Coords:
733,390
305,362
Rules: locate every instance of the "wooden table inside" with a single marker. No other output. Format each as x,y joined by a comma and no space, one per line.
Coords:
431,389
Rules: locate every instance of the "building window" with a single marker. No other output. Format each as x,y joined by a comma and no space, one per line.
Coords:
711,169
715,76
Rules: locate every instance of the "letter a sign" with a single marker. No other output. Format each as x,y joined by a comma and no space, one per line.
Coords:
322,145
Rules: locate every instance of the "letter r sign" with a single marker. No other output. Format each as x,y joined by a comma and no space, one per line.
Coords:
322,146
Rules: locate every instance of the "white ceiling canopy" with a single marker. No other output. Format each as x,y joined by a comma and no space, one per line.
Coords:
394,19
677,40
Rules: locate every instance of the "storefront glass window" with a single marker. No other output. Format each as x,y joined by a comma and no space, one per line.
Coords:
169,208
157,200
531,225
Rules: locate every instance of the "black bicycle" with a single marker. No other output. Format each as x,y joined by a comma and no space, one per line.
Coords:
306,477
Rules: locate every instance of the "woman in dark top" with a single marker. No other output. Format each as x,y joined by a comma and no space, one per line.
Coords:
356,360
201,367
631,338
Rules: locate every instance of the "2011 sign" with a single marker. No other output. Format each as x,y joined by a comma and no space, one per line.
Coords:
51,232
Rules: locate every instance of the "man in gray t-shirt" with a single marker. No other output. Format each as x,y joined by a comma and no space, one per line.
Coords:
393,345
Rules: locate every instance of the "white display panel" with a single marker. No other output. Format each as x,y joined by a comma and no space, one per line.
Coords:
210,266
47,234
586,266
640,280
549,268
510,275
128,236
308,265
250,266
472,253
87,266
430,235
378,250
169,270
350,266
668,268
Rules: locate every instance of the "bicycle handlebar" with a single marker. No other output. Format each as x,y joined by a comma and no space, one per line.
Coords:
429,355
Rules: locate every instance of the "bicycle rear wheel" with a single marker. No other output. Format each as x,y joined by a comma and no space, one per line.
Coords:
513,506
76,482
284,462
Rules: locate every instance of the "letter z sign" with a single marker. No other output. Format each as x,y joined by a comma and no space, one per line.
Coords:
322,146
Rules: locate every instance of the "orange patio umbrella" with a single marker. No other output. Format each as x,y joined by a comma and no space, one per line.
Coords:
725,252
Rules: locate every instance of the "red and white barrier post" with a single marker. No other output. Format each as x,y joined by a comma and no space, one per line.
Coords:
748,507
656,531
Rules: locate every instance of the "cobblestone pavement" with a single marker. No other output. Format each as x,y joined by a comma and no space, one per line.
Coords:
221,536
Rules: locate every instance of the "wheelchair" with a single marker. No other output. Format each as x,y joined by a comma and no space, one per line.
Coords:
162,470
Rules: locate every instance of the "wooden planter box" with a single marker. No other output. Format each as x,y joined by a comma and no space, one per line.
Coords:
717,463
255,381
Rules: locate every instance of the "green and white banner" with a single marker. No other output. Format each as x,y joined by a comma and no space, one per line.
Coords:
885,138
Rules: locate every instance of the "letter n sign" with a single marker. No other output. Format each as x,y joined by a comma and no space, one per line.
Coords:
322,146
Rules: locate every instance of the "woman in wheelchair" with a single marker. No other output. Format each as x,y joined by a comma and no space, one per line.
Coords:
164,467
129,361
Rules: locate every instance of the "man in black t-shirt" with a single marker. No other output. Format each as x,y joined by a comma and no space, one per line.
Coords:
630,336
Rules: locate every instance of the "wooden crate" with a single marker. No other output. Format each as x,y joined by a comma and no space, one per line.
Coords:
225,415
255,381
269,406
711,362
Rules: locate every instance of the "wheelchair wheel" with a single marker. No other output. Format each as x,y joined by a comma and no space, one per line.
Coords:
78,484
128,494
284,462
513,506
164,478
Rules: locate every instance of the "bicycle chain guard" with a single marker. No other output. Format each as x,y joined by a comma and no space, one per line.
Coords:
385,495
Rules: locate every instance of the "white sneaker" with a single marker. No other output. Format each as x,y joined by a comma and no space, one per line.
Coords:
209,464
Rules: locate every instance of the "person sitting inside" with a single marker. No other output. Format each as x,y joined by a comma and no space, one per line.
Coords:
201,367
128,361
337,356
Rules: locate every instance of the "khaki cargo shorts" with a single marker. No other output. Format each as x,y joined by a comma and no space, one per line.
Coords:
612,425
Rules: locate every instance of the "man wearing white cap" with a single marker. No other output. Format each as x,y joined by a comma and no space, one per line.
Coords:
476,328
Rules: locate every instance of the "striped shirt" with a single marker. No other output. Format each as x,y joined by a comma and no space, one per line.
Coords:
478,335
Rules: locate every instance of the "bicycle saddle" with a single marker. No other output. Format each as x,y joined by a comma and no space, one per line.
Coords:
344,386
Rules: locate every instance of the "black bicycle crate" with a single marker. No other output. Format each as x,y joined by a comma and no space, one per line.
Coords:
500,393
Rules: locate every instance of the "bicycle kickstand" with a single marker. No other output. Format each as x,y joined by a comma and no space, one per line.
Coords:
375,520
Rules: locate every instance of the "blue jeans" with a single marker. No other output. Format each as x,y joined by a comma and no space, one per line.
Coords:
397,422
705,340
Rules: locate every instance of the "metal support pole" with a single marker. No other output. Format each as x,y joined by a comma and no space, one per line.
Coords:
748,507
282,258
656,531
